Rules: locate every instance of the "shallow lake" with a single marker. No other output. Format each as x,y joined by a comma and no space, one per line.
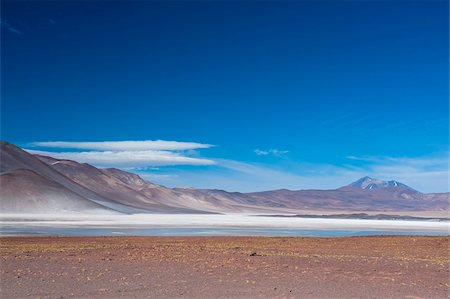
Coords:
205,231
210,225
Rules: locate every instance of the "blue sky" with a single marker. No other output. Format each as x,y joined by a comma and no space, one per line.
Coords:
262,95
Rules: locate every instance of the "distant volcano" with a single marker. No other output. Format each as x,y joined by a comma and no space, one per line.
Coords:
368,183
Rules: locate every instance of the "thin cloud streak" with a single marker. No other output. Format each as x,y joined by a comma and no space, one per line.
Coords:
275,152
126,159
11,28
234,175
154,145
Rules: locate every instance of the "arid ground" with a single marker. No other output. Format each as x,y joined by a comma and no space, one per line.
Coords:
224,267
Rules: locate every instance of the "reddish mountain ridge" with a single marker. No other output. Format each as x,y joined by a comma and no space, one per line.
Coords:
38,184
111,189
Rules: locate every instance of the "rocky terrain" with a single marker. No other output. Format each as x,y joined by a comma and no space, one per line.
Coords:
224,267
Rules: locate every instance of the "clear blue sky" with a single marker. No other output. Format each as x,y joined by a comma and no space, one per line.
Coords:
295,94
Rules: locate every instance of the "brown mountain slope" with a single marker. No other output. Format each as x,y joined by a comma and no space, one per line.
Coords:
107,185
354,199
84,180
24,191
14,158
131,190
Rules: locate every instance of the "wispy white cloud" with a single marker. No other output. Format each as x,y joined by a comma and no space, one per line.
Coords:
11,28
127,159
274,152
14,30
437,160
144,145
239,176
261,152
425,174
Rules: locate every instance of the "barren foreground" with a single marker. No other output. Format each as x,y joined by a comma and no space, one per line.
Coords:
224,267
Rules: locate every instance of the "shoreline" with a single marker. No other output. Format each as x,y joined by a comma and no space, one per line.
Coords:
228,221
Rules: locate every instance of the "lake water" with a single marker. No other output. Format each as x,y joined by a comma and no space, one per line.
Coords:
209,225
205,231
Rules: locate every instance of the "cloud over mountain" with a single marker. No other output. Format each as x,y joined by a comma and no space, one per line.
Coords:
130,145
125,154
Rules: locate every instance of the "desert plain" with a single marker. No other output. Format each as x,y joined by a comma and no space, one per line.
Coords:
225,267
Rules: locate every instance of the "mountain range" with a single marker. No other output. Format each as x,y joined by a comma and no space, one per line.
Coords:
40,184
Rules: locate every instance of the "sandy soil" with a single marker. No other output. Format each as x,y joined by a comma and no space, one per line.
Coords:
224,267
